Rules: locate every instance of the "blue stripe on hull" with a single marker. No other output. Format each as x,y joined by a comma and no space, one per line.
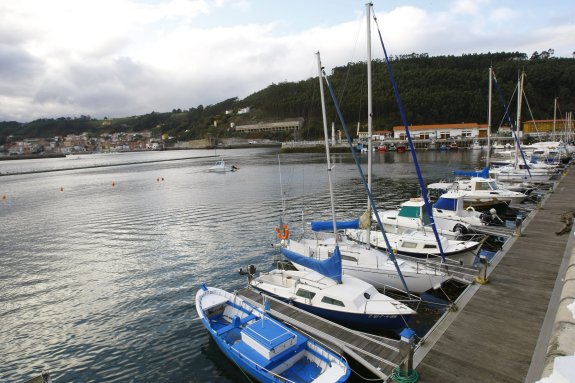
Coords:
374,321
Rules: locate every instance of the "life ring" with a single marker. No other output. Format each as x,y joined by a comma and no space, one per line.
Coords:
284,233
470,208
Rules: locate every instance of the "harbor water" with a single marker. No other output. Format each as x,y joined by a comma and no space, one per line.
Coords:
101,262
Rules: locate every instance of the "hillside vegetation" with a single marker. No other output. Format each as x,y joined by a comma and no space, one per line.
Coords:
434,90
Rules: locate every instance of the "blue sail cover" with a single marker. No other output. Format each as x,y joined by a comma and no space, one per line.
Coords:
446,204
483,173
340,225
330,267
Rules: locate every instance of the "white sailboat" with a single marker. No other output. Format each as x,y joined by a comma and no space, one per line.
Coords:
358,260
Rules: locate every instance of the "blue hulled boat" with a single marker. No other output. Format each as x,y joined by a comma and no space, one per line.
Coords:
263,347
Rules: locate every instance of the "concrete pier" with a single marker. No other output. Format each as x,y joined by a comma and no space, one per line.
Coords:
503,329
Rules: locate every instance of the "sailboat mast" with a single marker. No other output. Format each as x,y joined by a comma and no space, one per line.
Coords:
369,116
369,98
554,116
489,117
326,139
518,123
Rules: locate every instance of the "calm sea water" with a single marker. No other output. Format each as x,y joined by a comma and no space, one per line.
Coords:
100,265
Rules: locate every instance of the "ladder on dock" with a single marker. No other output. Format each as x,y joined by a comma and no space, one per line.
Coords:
379,355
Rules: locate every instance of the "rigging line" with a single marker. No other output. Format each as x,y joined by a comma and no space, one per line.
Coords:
347,75
364,182
531,114
508,105
412,147
513,127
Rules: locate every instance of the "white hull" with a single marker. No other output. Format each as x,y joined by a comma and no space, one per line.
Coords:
420,245
372,265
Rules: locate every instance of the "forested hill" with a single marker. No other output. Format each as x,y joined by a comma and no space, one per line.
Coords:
441,89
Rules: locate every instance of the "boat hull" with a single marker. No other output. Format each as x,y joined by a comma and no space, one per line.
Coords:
373,321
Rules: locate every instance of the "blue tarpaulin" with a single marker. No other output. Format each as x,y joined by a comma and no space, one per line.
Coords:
330,267
340,225
484,173
446,204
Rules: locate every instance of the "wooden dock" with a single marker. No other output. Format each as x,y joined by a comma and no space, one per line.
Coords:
379,355
494,335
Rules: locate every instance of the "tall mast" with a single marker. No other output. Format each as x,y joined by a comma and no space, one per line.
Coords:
554,117
518,123
369,115
326,139
489,117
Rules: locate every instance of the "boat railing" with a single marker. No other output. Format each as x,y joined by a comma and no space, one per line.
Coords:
261,368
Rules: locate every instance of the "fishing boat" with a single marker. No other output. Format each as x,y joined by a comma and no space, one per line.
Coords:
324,290
262,347
221,167
412,215
418,244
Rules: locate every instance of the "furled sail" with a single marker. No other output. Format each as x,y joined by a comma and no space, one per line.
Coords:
330,267
340,225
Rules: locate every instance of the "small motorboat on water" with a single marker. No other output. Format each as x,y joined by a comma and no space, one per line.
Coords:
221,167
263,347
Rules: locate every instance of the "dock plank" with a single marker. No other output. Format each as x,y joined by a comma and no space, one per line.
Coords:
494,335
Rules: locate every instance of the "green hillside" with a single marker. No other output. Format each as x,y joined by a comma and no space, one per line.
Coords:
442,89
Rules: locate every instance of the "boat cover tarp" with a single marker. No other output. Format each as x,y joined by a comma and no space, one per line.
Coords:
483,173
340,225
330,267
444,203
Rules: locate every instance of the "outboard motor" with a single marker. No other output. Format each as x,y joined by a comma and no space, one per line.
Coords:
250,272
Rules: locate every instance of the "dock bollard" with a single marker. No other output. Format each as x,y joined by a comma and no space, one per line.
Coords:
405,371
482,277
518,223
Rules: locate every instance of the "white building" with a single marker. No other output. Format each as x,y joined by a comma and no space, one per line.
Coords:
441,131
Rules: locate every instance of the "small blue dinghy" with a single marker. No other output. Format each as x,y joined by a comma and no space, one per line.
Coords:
264,348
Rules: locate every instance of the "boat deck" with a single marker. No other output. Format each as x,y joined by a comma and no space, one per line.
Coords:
494,336
380,355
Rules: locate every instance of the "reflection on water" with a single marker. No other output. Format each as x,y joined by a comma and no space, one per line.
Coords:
100,265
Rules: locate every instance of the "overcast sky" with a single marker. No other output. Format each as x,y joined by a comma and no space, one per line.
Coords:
115,58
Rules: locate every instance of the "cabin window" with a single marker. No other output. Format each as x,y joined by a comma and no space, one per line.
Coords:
348,258
305,294
409,211
332,301
430,247
482,186
410,245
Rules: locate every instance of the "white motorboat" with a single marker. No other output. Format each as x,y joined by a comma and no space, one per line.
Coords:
263,347
221,167
450,206
413,214
481,193
415,243
339,298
